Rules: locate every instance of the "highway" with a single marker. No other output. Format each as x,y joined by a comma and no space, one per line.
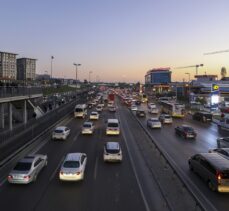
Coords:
116,186
181,149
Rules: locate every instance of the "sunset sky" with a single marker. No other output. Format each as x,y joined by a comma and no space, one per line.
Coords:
118,40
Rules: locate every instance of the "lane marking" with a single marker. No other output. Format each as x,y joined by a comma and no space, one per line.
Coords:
133,167
96,167
55,171
3,182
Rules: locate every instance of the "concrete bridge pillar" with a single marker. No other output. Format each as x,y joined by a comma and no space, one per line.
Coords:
10,116
2,123
25,112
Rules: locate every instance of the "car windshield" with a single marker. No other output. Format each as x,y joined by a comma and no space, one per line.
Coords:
167,117
188,129
87,125
154,120
71,164
94,114
78,110
112,151
58,131
23,166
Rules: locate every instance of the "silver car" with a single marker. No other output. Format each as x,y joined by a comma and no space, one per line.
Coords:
27,169
88,128
73,167
154,123
112,152
61,132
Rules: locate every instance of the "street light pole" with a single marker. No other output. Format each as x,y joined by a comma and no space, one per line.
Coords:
52,57
197,66
76,65
189,84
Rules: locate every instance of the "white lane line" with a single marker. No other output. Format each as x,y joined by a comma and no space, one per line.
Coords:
58,166
133,167
2,183
96,167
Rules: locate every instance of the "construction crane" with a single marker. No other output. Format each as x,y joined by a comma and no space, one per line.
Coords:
191,66
217,52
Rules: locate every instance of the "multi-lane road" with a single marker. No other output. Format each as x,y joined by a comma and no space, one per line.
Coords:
139,183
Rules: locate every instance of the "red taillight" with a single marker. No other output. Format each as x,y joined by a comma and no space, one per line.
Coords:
61,172
78,173
218,175
26,177
10,177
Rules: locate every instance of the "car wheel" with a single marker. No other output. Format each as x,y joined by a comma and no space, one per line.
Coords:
211,186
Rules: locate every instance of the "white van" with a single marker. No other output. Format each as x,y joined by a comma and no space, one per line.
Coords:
112,127
80,110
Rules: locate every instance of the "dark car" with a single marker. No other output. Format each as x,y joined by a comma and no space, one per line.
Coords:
140,113
89,105
202,116
185,131
137,102
223,142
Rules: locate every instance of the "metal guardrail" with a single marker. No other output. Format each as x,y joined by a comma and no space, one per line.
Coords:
13,91
179,173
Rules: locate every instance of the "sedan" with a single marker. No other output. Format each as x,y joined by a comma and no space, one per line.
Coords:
166,119
88,128
61,132
153,123
27,169
94,115
222,151
73,167
185,131
133,108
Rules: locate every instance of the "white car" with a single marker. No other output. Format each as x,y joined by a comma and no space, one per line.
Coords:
73,167
166,119
133,108
61,132
151,105
88,128
94,115
27,169
112,152
153,123
99,108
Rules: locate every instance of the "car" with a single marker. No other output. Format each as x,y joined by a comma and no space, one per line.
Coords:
202,116
112,109
213,169
166,119
222,151
223,142
89,105
99,108
140,113
138,102
112,127
94,115
154,123
153,110
73,167
112,152
61,133
133,108
185,131
27,169
151,105
88,128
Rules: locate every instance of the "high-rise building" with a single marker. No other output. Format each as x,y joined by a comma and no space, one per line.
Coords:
26,69
8,65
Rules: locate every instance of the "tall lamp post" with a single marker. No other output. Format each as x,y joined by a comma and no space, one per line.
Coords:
189,88
52,57
89,79
197,66
76,65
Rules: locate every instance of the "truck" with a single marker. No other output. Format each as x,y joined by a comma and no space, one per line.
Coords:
111,99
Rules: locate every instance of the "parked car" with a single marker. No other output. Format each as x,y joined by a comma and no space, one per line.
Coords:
27,169
222,151
61,132
112,152
140,113
154,123
73,167
94,115
202,116
166,119
213,169
185,131
88,128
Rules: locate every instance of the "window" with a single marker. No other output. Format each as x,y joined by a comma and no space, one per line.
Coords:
37,162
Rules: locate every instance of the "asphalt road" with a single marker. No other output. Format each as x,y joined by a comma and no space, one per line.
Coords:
181,149
114,187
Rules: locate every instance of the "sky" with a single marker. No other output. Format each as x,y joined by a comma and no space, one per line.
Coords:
117,40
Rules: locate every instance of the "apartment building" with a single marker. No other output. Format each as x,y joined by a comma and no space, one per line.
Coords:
26,69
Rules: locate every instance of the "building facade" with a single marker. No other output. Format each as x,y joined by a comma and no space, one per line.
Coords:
158,80
26,69
8,66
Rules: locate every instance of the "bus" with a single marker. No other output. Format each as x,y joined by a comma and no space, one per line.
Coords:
172,108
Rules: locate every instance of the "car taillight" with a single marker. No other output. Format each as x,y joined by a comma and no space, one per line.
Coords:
219,175
26,177
10,177
61,172
78,173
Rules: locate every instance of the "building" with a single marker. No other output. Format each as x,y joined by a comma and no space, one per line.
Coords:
26,69
8,66
158,80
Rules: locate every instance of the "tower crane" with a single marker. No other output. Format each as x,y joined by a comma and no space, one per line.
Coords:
191,66
217,52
